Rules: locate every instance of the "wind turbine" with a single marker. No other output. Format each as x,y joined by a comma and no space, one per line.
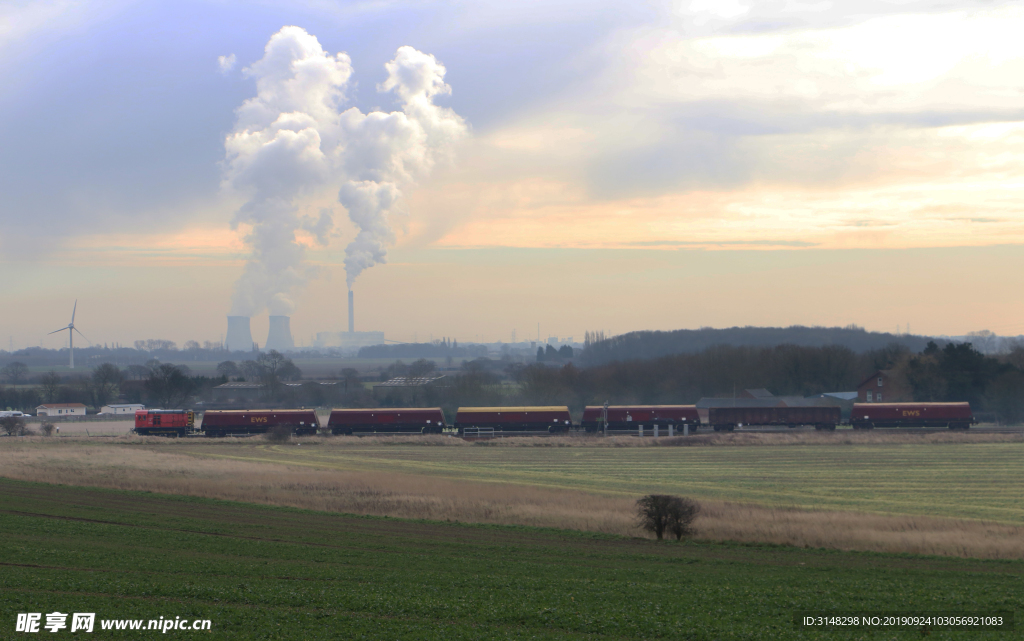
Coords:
71,334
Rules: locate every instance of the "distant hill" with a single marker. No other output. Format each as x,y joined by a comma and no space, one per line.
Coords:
648,344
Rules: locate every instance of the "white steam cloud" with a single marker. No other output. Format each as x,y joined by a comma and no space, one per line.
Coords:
291,143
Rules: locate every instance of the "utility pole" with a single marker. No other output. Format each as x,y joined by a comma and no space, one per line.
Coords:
604,417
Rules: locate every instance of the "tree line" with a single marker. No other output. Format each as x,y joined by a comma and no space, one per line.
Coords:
956,372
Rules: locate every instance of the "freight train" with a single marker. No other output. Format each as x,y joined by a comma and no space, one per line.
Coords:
729,418
656,420
955,416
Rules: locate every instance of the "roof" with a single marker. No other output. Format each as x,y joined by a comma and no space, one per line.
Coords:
775,401
410,381
843,396
387,409
884,372
288,411
546,408
125,405
759,392
913,404
245,385
642,407
60,406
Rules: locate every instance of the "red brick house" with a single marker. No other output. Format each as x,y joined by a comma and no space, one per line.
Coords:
884,386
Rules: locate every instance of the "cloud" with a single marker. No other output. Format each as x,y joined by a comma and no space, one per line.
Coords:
292,144
226,63
279,152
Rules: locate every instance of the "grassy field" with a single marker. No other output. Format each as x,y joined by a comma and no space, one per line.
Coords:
276,573
937,497
974,481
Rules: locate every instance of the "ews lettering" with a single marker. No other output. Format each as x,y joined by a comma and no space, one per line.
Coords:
259,419
911,412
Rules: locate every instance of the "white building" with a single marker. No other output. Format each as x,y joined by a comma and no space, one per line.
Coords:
128,408
61,409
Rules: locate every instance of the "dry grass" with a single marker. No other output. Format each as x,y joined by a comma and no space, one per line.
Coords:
427,497
842,437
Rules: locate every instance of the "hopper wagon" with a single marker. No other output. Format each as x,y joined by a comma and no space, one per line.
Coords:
552,420
729,418
228,422
636,418
866,416
176,423
406,420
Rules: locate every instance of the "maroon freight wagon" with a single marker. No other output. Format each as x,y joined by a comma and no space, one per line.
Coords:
514,419
165,422
405,420
865,416
633,418
224,422
729,418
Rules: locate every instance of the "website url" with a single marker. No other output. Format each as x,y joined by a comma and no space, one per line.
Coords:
164,625
85,622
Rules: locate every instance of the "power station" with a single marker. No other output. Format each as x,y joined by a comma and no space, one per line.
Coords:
279,337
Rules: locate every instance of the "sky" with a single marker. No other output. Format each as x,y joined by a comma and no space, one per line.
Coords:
477,169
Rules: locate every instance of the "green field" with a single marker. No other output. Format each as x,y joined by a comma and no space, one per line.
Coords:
981,481
276,573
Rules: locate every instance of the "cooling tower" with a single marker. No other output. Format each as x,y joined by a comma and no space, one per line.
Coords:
239,337
351,313
280,335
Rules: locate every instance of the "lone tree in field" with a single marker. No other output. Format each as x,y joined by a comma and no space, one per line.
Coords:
659,513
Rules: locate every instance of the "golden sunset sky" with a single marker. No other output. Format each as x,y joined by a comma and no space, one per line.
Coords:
664,166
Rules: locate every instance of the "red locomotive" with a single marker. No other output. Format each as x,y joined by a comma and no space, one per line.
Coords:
865,416
406,420
729,418
635,418
165,422
552,420
225,422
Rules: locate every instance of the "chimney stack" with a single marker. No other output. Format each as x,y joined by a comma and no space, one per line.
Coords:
280,335
239,335
351,313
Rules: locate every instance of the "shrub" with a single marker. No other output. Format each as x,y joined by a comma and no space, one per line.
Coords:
46,429
13,425
279,433
659,513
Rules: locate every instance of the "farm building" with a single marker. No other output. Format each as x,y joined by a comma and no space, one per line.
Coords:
61,409
764,398
884,386
242,391
409,388
126,408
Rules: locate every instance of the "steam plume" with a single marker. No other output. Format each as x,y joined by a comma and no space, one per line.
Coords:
292,143
388,151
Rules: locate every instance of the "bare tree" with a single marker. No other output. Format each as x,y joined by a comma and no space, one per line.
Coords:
138,372
168,385
227,368
660,513
50,383
15,372
681,517
106,382
12,425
